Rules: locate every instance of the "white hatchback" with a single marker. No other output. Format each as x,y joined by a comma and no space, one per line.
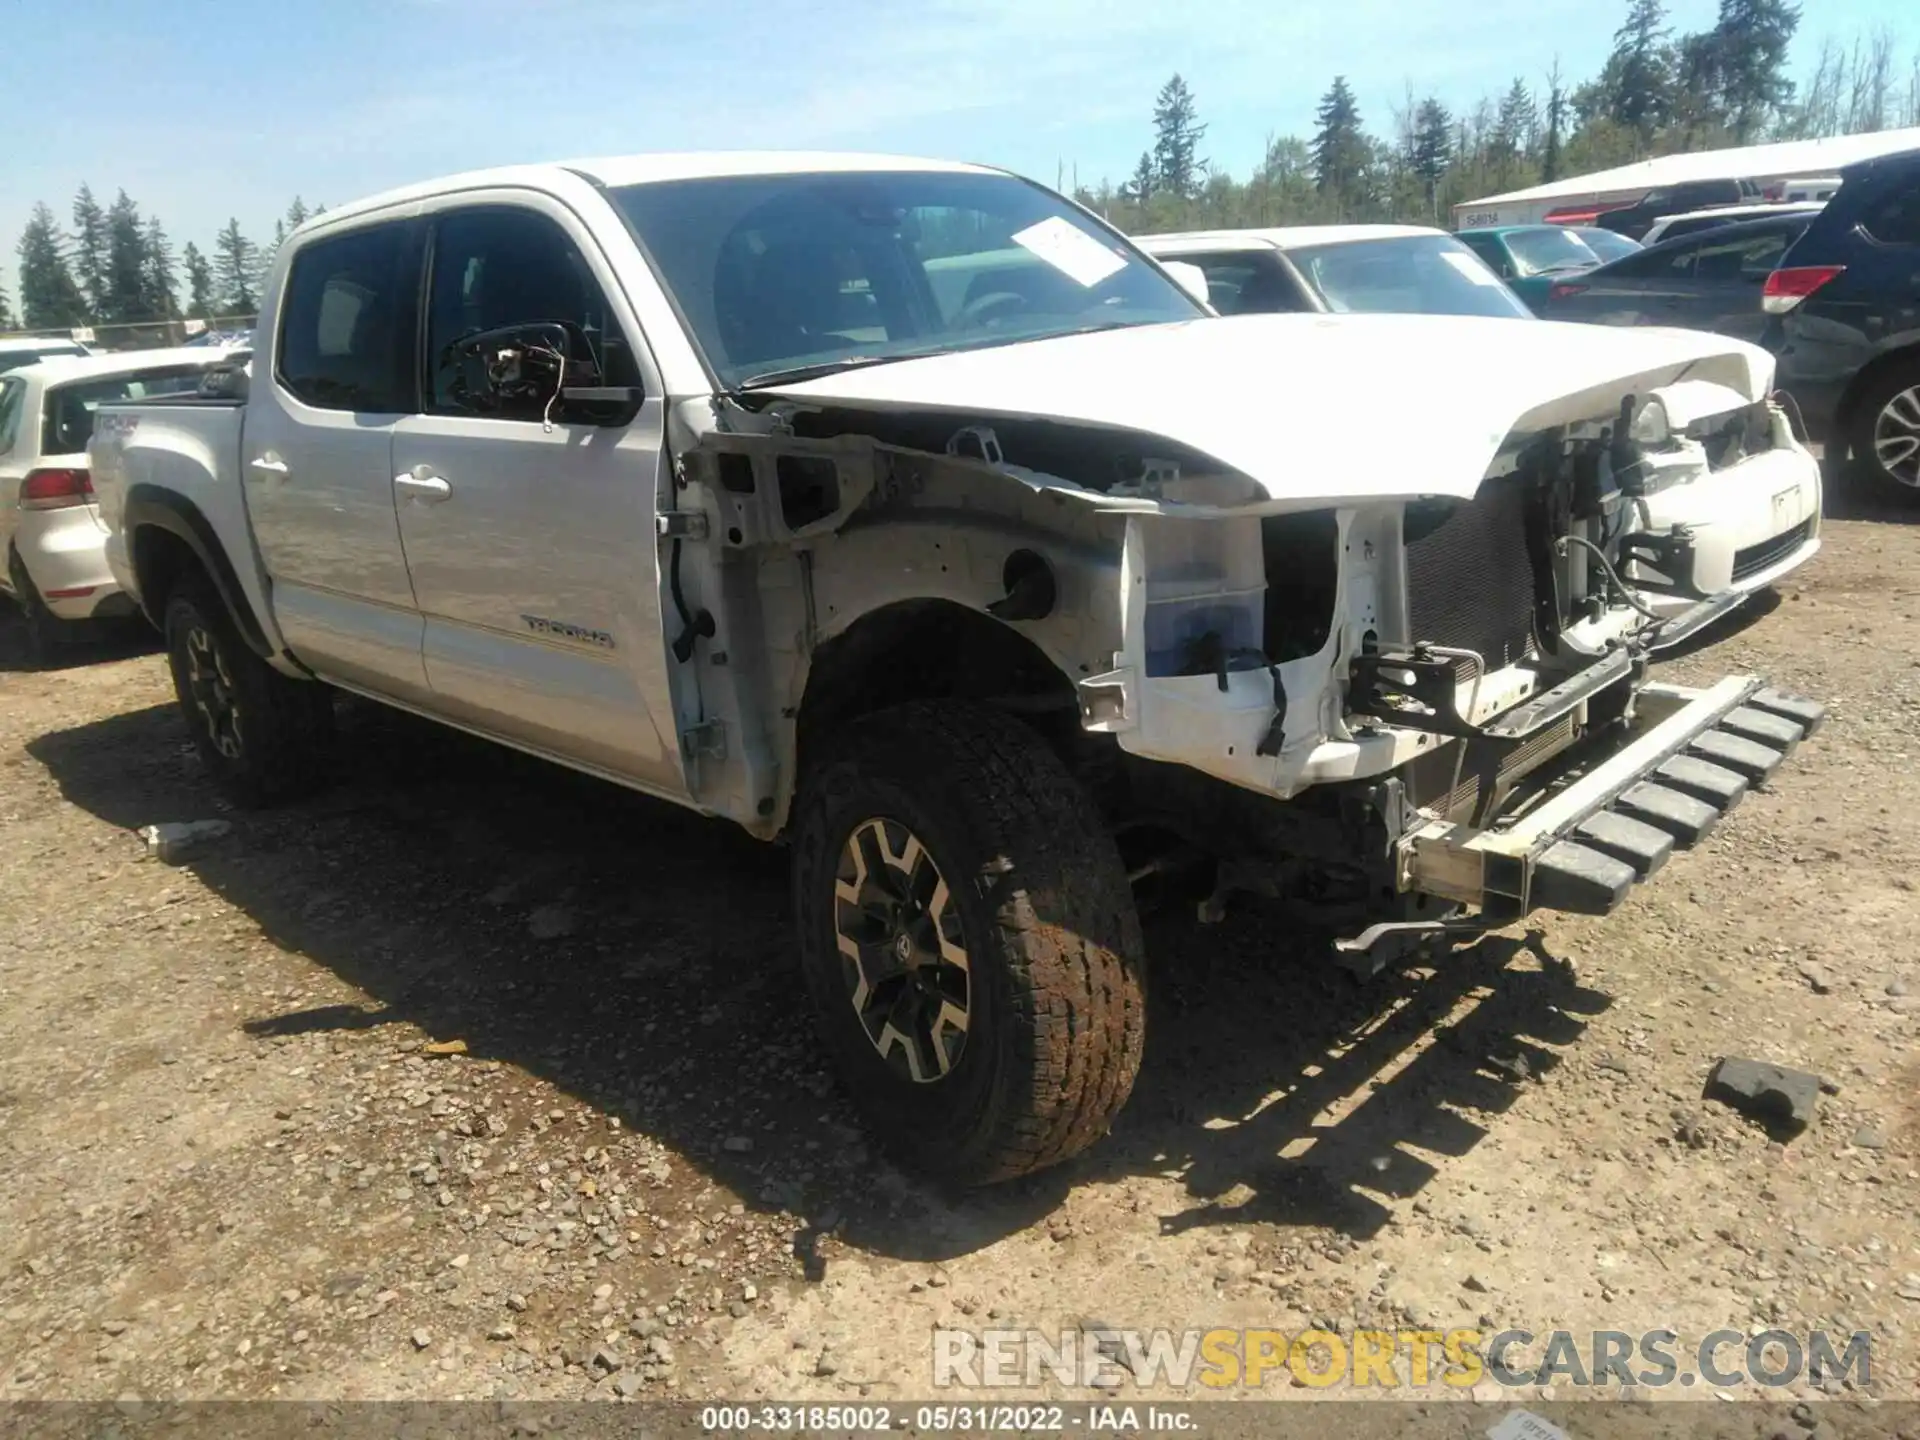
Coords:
50,530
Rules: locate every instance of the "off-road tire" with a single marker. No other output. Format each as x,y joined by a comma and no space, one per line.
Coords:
1056,965
282,741
1862,425
47,634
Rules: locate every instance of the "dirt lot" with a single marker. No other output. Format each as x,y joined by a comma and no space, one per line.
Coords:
231,1164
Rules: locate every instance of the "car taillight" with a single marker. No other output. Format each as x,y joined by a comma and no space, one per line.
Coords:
1563,289
1787,288
55,489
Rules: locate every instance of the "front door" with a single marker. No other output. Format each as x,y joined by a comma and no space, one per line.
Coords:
529,532
316,458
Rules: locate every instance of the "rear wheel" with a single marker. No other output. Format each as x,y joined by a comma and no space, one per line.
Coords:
264,737
47,633
1886,432
969,940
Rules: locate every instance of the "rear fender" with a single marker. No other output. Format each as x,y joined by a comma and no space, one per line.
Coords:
152,508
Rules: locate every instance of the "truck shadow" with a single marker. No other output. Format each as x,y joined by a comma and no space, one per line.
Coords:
637,957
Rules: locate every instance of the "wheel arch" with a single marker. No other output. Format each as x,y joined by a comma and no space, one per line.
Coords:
1906,355
167,538
929,649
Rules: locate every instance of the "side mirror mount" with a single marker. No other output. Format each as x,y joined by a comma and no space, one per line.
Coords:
1190,278
547,367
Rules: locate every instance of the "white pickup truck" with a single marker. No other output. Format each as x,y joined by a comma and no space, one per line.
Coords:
906,513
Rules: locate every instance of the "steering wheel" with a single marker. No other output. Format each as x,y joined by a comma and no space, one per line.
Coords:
985,309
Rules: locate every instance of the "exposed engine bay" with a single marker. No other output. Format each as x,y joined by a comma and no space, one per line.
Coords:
1378,666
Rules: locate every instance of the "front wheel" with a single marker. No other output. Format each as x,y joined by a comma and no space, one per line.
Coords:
263,736
1886,432
969,941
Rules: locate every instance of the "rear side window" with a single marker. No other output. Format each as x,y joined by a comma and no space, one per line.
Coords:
1894,219
1751,256
346,328
67,412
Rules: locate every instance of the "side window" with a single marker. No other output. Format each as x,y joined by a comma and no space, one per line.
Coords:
1661,263
1746,256
11,392
346,329
498,266
1242,284
1895,218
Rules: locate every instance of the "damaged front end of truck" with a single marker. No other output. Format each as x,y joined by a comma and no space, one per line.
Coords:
1405,686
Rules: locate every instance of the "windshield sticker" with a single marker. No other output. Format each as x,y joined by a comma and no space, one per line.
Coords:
1070,250
1469,266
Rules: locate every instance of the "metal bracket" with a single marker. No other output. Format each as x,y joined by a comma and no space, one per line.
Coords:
707,738
681,525
1670,554
1413,688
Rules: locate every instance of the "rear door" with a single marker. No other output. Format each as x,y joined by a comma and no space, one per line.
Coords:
1643,289
530,533
1730,269
317,457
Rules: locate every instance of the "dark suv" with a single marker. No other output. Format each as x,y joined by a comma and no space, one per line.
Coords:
1844,308
1636,219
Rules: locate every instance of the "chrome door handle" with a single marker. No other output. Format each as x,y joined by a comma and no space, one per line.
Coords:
268,467
427,489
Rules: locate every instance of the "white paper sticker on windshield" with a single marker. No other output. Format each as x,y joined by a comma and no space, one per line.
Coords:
1070,250
1469,265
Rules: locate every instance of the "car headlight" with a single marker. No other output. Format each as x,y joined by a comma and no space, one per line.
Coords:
1649,424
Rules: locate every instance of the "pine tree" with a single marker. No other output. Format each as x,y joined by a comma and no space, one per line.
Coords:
263,259
49,297
1556,119
233,270
297,213
1140,189
90,249
1176,140
1750,50
1515,125
6,310
1638,77
1432,148
199,282
159,296
124,299
1340,150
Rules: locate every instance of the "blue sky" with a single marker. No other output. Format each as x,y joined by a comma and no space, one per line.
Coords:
203,109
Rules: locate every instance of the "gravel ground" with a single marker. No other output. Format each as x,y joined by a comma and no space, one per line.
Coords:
476,1078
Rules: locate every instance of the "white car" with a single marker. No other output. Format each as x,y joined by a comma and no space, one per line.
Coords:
29,350
1696,522
50,527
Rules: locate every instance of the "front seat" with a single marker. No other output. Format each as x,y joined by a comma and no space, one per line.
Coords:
784,305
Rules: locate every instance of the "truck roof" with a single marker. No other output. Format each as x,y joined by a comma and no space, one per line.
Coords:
642,169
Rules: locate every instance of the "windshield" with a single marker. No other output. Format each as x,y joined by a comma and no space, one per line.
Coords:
1540,252
68,423
1406,275
1607,245
817,272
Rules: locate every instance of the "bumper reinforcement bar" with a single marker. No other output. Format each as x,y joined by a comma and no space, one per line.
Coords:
1692,757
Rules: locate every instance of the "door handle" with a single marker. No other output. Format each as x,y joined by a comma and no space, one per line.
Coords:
265,466
427,489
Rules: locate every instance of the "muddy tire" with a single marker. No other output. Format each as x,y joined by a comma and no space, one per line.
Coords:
265,738
1885,437
969,941
48,636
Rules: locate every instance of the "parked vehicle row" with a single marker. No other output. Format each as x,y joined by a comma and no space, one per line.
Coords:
50,531
907,513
